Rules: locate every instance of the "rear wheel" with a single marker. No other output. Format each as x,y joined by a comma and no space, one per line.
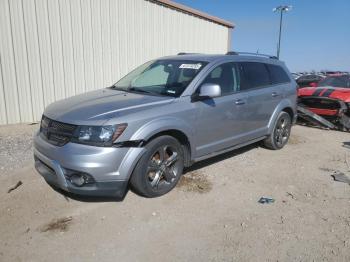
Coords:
280,133
159,169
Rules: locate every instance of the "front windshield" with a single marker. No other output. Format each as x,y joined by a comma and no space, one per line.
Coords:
161,77
336,81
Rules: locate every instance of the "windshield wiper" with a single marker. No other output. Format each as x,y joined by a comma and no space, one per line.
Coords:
139,90
130,89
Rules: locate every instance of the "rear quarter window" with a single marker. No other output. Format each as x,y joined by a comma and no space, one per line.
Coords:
277,74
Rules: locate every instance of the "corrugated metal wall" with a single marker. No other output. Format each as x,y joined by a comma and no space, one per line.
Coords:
52,49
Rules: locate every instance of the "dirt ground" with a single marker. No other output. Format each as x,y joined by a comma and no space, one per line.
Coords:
213,214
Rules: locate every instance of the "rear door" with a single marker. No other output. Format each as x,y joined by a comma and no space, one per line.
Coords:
262,97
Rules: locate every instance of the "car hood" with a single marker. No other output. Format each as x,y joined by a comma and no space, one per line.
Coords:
339,93
99,106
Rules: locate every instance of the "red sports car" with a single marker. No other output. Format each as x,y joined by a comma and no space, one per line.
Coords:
329,99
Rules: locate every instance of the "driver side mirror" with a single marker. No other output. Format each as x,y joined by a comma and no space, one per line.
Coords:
208,90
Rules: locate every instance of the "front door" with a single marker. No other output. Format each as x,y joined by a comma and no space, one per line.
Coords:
219,123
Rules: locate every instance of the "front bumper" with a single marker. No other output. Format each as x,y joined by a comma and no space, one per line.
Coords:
109,167
324,106
325,112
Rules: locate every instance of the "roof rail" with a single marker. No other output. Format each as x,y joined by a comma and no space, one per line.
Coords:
183,53
252,54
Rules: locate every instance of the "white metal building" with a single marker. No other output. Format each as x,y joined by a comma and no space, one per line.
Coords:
53,49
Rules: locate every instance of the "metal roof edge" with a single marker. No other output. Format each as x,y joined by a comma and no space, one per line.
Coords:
192,11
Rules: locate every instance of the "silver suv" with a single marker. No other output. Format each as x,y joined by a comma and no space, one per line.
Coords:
161,117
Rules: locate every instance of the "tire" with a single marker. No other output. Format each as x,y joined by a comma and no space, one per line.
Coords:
159,169
280,133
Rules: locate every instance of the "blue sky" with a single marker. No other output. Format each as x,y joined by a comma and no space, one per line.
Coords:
316,33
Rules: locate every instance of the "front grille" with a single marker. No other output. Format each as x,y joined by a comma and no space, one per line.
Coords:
62,127
56,133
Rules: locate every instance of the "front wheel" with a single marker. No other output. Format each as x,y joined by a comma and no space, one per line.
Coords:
280,133
159,169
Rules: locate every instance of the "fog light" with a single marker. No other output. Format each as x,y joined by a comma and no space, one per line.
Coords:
78,180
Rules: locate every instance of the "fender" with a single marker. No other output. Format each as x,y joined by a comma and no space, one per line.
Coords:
285,103
159,125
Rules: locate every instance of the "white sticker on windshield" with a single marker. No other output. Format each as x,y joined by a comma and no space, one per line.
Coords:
191,66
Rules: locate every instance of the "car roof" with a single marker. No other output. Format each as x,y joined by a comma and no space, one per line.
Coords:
221,57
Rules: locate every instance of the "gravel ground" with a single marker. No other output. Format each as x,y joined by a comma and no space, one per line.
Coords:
213,214
16,146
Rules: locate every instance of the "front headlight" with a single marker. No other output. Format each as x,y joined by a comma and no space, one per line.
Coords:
98,135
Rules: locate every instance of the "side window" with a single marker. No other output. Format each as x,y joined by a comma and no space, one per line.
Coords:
216,73
225,76
152,77
253,75
277,74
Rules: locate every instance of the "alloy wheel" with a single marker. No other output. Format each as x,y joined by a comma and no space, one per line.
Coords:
163,167
282,131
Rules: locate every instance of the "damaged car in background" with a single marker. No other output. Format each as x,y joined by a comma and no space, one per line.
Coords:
327,104
309,80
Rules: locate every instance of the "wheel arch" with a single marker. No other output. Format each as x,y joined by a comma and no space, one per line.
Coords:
174,127
283,106
179,136
290,112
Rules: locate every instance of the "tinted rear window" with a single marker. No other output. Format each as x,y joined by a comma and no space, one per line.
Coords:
253,74
277,74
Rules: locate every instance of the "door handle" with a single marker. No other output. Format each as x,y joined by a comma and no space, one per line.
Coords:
239,102
274,94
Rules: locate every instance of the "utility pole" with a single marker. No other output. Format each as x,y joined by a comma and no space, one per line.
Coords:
281,9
